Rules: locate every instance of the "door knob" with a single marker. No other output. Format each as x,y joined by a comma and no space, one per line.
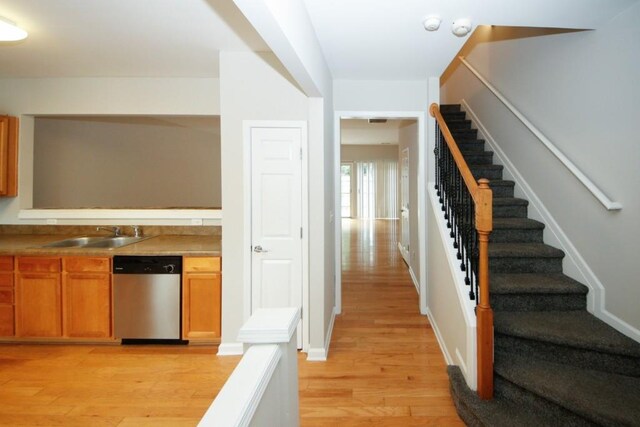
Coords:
259,249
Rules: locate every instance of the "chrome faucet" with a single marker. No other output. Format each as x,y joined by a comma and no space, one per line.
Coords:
115,230
137,231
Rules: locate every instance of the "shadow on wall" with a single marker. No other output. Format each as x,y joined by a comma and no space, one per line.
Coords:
495,33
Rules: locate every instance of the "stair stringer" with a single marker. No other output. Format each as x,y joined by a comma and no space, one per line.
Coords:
574,265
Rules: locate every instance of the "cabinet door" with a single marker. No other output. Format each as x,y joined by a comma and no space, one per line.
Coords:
201,302
6,304
38,305
86,305
8,156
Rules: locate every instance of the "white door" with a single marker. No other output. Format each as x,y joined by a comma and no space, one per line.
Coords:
276,218
404,204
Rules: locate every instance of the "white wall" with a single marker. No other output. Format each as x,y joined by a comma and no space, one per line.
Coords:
581,90
256,88
126,162
376,95
94,96
409,139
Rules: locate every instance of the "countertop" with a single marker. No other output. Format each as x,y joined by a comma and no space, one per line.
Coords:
30,244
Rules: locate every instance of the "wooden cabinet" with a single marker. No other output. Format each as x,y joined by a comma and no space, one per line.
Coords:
38,297
86,297
201,298
6,297
8,156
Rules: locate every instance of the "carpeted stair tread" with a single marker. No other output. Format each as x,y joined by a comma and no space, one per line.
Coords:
532,283
496,412
523,250
577,329
449,108
604,398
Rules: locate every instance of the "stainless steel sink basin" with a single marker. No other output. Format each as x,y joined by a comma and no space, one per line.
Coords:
95,242
114,242
74,242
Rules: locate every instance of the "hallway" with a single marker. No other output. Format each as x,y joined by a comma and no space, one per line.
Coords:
384,365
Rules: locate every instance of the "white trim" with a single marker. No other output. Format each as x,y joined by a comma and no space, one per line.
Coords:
120,214
321,354
574,264
421,117
443,348
270,326
298,124
593,188
230,349
415,281
405,254
461,363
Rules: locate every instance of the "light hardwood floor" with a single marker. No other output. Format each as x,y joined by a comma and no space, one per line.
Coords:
384,366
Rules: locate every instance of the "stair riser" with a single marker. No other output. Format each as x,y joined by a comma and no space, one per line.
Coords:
468,146
568,355
459,125
460,115
449,108
506,389
502,190
480,172
483,158
525,265
514,211
464,134
538,302
516,236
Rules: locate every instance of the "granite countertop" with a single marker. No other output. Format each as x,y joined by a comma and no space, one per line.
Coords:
30,244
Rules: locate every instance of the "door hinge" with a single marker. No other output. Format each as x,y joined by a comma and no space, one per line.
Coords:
301,232
300,153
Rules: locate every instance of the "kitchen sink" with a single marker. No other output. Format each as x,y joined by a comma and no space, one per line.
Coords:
114,242
74,242
95,242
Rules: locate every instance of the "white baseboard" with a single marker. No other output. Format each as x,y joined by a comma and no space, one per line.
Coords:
574,264
414,279
231,349
321,354
443,348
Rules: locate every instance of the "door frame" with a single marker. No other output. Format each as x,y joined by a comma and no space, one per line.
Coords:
421,209
247,125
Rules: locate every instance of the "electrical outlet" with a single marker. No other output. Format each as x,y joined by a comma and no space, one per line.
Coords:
196,221
52,221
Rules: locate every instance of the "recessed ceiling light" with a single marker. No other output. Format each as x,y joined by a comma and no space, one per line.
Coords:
10,32
432,22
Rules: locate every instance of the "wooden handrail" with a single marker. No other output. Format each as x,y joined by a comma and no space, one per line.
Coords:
483,201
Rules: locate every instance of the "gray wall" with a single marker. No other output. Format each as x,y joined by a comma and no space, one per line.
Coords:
126,162
581,90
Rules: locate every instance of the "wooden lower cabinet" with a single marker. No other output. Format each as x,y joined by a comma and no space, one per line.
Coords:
38,297
6,297
86,305
201,298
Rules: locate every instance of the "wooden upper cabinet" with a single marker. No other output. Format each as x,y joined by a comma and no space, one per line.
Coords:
201,298
8,156
38,297
86,290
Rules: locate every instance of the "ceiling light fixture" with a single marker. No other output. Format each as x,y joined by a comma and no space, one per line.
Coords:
10,32
432,22
461,27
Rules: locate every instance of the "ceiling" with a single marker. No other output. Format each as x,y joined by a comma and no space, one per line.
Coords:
123,38
385,40
360,39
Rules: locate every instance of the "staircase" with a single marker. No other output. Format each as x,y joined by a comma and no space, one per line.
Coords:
555,364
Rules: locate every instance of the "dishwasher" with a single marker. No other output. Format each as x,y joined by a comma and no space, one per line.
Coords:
147,299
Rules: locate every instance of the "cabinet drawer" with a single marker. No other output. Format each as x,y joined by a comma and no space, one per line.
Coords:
6,280
86,264
38,264
6,263
6,295
201,264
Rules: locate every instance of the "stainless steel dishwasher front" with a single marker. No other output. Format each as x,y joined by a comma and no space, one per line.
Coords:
147,297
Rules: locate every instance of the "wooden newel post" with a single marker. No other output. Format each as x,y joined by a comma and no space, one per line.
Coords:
484,313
